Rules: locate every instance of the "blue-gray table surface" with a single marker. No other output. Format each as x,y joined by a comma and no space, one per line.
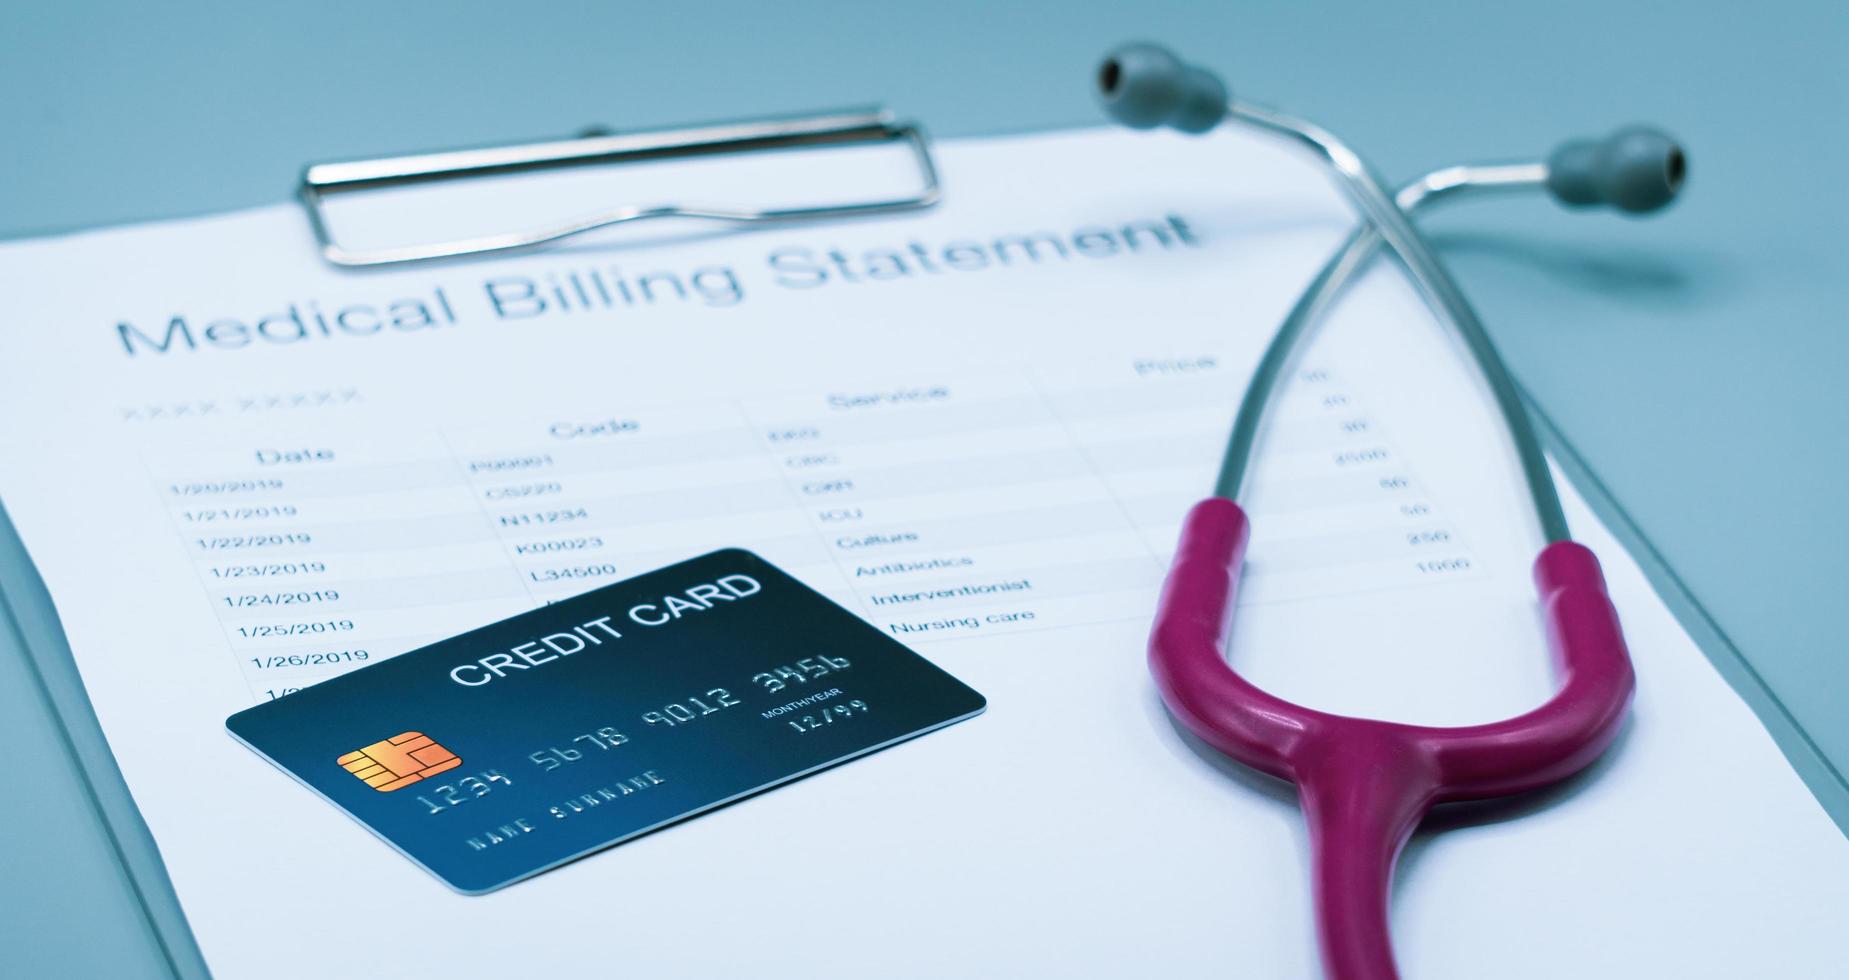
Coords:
1693,363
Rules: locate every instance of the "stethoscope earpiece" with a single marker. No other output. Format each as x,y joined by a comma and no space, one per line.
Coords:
1636,169
1144,86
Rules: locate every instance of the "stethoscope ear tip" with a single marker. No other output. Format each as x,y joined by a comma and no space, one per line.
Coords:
1144,86
1638,169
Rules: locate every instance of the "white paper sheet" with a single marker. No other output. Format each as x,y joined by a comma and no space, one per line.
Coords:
978,427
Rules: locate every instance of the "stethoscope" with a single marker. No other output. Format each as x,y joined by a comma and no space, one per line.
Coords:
1364,785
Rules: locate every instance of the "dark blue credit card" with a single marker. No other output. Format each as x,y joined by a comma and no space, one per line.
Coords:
520,746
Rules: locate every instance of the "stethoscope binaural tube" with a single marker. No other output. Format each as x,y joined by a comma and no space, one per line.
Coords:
1649,169
1636,170
1364,785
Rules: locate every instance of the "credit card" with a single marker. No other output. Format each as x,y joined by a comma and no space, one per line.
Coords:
514,748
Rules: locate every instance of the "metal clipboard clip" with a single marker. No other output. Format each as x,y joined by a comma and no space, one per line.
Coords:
845,127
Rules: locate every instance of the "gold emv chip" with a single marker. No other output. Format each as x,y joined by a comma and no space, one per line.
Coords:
399,761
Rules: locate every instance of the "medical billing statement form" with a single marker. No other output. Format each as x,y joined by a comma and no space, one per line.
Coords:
241,471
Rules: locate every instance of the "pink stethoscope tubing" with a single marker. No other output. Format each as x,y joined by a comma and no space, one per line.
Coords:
1364,785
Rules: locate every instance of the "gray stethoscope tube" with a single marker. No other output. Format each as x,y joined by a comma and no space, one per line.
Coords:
1635,170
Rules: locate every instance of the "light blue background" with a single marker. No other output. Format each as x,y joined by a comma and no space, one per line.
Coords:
1695,363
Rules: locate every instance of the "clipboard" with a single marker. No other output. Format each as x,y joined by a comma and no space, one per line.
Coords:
26,610
838,128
